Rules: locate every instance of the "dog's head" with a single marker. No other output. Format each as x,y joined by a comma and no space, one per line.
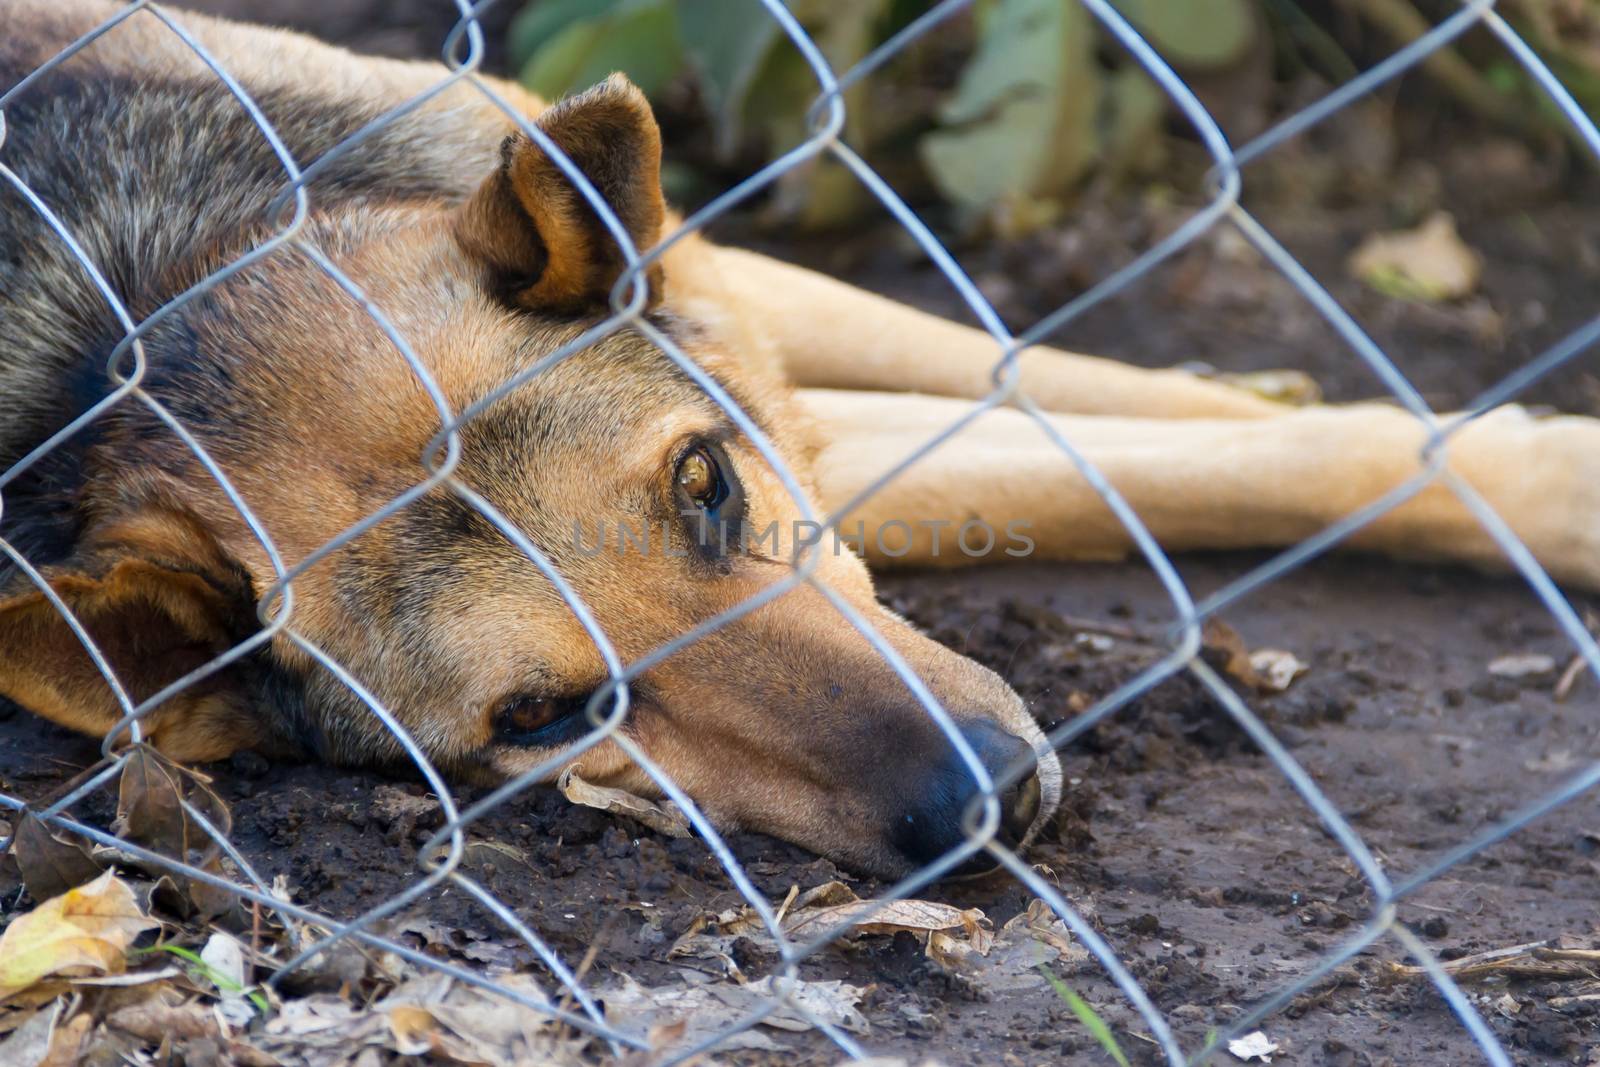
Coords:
655,509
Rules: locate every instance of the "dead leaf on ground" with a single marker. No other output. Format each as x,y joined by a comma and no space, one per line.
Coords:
50,865
1429,263
1011,964
170,1017
828,907
1253,1046
47,1039
834,904
1266,670
1275,668
151,797
158,1018
224,955
83,931
431,1016
664,818
20,1007
492,955
707,1007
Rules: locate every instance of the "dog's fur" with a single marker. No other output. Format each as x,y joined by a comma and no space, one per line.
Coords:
484,258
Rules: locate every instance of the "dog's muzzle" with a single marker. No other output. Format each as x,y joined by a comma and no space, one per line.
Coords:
936,824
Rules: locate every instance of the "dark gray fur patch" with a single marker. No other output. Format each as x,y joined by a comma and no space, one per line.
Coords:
160,182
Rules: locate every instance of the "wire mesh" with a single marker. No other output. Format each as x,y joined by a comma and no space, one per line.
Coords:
441,859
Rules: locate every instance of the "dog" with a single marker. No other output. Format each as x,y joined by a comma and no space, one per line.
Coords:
484,257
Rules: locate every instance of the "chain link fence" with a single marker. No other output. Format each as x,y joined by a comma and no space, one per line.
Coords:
440,866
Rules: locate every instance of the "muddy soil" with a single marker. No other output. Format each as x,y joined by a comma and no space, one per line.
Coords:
1205,871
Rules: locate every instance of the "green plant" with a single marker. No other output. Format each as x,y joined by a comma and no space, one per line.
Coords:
1036,107
210,974
1088,1017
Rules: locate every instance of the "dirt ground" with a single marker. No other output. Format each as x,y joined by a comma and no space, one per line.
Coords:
1203,869
1188,849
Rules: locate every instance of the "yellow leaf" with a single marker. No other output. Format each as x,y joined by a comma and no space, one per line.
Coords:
413,1029
86,930
1430,263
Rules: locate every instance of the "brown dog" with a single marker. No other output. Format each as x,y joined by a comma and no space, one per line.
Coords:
484,258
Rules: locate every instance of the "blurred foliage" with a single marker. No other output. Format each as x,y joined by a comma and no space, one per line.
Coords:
1034,106
1013,106
1566,33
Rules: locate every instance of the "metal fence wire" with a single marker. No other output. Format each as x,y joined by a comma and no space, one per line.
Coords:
441,859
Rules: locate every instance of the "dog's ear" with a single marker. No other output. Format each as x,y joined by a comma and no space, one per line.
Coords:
544,242
159,598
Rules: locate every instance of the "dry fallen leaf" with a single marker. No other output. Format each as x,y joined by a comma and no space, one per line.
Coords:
1011,964
832,905
432,1017
225,956
448,1022
151,797
664,818
705,1008
50,865
413,1029
83,931
1275,669
874,917
1429,263
45,1040
1253,1046
1266,670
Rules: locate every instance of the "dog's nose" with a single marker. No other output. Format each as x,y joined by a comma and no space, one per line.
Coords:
934,825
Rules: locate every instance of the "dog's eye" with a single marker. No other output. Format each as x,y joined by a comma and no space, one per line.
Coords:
700,479
539,720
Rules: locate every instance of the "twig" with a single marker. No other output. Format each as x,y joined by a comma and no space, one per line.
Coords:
1572,1002
588,959
1577,955
1568,677
1109,629
1534,959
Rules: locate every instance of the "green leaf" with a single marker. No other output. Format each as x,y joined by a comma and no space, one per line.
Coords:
1088,1017
1137,109
823,193
638,37
210,973
728,41
1021,124
539,22
1203,34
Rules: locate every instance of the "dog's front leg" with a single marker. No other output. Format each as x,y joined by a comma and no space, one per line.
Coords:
1202,483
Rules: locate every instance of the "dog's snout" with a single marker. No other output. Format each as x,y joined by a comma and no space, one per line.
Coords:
936,823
